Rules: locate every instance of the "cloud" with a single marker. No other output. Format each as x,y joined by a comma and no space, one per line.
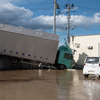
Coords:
80,20
46,22
85,12
25,2
11,14
14,15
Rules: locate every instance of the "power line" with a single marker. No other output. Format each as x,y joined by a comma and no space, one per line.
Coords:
89,8
51,8
89,29
93,29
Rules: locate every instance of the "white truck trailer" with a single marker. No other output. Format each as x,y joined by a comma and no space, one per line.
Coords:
28,44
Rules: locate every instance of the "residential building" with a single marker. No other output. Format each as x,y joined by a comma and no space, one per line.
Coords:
86,45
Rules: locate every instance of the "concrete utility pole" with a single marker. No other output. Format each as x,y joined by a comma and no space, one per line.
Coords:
68,7
54,24
68,23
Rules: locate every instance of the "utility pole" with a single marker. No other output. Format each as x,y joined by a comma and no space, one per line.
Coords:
54,24
68,23
56,6
68,7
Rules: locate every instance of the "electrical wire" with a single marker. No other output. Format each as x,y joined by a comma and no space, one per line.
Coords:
89,8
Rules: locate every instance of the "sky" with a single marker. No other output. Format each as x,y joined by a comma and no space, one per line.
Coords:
38,15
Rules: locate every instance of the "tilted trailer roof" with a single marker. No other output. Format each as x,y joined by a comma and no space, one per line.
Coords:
27,43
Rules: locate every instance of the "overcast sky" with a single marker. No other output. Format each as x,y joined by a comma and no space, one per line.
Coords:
38,14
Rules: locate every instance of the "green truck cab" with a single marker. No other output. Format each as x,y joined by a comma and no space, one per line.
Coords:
64,58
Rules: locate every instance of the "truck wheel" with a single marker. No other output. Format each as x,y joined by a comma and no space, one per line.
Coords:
86,75
62,67
15,60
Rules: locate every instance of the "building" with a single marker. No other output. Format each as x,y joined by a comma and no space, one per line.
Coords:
87,45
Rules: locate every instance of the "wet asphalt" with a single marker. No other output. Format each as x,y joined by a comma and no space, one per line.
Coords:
48,84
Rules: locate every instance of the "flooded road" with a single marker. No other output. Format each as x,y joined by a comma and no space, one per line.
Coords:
47,85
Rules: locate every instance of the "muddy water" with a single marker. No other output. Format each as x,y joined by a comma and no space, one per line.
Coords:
47,85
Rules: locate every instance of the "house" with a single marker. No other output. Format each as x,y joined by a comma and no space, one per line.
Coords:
85,45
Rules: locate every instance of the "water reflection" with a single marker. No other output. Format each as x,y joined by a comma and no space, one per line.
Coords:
64,84
68,83
40,72
47,85
71,85
92,89
40,85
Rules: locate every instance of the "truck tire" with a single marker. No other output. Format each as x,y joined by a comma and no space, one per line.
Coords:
62,67
15,60
86,75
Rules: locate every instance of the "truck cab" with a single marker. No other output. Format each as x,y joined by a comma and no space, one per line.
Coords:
64,58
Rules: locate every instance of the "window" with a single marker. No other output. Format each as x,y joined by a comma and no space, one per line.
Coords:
92,60
68,56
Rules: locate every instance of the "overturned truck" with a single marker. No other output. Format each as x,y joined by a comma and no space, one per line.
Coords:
29,46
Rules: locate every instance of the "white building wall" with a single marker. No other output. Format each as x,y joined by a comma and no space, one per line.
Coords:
81,45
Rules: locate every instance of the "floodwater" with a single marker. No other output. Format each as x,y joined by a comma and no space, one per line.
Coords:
47,85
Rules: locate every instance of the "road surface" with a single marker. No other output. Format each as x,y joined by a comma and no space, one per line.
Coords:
49,84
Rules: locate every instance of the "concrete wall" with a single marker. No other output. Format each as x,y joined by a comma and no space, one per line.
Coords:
85,46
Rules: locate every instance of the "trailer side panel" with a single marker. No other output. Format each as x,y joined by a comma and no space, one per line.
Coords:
28,44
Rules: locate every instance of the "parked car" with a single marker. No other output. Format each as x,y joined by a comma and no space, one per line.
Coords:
91,66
